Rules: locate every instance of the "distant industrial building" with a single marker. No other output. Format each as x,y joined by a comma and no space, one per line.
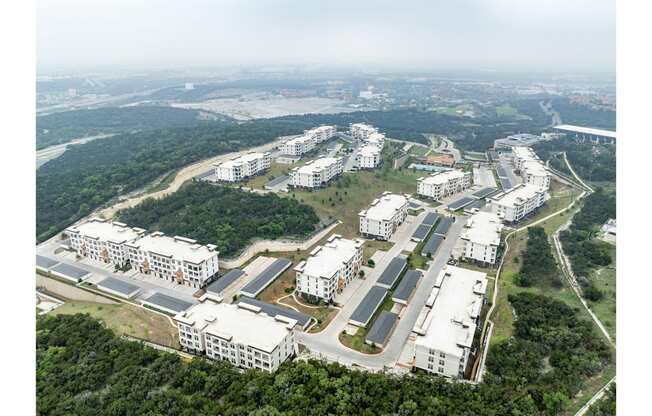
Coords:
481,237
176,259
446,326
329,268
384,216
516,203
316,173
240,333
103,240
442,184
588,133
242,167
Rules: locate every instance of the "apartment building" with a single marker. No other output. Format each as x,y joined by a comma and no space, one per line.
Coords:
330,268
368,157
442,184
362,131
447,324
384,216
316,173
103,240
321,133
533,170
516,203
240,333
242,167
481,237
175,259
297,146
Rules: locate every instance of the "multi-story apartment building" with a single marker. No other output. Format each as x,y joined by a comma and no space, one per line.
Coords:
442,184
533,170
375,139
321,133
176,259
362,131
103,240
240,333
297,146
516,203
383,217
316,173
446,328
481,237
242,167
368,157
329,268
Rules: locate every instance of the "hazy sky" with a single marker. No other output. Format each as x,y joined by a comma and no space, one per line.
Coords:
548,35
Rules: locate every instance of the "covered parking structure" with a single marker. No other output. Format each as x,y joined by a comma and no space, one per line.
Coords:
460,203
265,278
432,245
218,286
381,329
444,225
166,303
118,287
70,272
392,272
368,306
45,263
484,192
406,287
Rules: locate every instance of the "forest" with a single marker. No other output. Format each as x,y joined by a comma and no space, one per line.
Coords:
63,127
89,175
82,368
227,217
538,265
584,251
582,115
595,163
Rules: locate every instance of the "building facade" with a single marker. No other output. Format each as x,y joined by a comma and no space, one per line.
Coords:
518,202
368,157
384,216
316,173
361,131
297,146
103,240
242,167
481,237
442,184
447,324
177,259
532,169
321,133
239,333
329,268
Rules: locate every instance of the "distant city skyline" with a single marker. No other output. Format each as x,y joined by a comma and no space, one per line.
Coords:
491,35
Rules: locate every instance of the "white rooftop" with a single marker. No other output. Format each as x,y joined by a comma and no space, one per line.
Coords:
249,157
450,325
369,150
483,228
442,177
363,126
299,140
317,165
586,130
517,195
320,129
245,324
179,248
326,260
524,152
384,208
116,232
535,168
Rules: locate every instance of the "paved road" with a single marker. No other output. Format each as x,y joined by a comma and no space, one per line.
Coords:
52,152
327,343
484,176
447,146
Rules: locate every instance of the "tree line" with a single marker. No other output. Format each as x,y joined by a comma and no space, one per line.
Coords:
538,266
595,163
227,217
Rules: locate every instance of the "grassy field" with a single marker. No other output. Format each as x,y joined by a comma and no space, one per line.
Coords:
275,170
356,342
418,150
353,192
605,309
127,319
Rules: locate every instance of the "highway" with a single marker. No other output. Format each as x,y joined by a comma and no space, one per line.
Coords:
326,343
52,152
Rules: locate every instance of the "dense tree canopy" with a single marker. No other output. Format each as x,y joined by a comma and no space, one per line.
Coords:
227,217
582,115
596,163
89,175
62,127
84,369
539,266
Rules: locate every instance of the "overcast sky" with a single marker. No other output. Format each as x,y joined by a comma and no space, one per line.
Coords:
546,35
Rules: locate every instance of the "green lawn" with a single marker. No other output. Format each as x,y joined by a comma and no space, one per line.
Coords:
605,309
127,319
275,170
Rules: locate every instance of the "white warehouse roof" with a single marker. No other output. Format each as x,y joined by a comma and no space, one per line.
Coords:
586,130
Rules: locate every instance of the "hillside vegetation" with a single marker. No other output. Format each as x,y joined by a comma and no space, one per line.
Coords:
227,217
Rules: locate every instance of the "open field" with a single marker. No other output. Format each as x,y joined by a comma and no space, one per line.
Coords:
127,319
